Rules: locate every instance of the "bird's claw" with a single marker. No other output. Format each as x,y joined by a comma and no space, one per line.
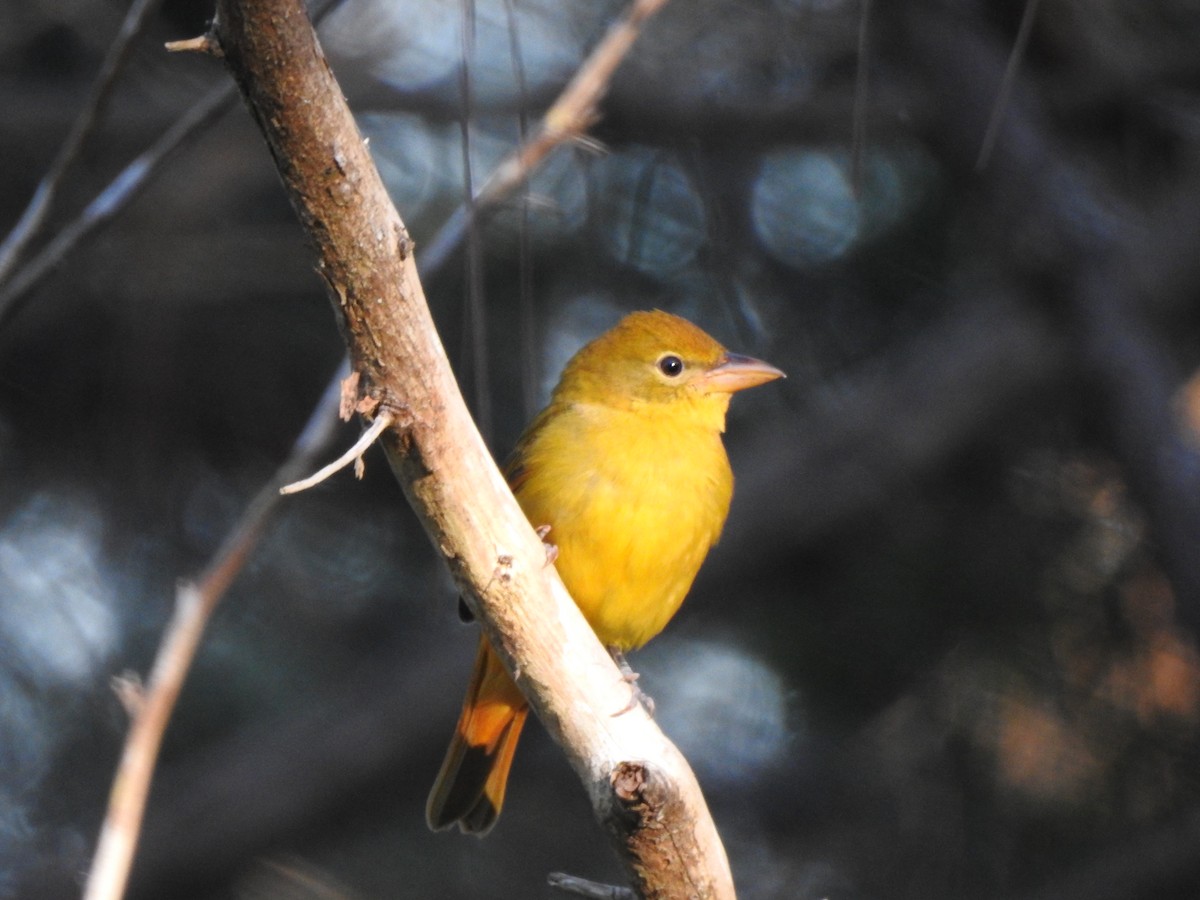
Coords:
636,694
637,697
551,549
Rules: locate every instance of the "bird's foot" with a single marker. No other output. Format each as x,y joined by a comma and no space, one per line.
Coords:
551,549
637,695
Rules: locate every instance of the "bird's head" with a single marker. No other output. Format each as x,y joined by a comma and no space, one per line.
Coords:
657,360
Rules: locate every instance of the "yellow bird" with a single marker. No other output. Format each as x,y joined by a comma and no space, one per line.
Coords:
627,468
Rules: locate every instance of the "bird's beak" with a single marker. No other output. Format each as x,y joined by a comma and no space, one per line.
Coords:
736,373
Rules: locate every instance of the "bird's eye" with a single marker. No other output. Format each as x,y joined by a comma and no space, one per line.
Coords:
670,365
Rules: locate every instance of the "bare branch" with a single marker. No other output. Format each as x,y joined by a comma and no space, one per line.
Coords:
30,223
365,256
16,285
151,707
119,193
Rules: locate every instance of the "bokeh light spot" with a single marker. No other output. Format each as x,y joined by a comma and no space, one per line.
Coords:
57,613
726,709
803,207
648,212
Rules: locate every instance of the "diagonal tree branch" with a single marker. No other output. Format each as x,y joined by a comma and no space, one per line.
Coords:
640,786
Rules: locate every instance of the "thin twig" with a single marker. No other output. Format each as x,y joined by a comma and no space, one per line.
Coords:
1006,85
858,135
382,421
194,605
593,890
29,225
119,193
475,333
566,120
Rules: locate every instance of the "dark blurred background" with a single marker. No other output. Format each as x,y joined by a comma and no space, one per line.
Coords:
946,648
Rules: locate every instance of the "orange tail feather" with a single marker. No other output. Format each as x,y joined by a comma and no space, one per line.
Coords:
469,790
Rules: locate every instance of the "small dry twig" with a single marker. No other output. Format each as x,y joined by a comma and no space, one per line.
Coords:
353,455
201,44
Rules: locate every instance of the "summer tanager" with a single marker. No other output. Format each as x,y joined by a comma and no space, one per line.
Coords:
626,467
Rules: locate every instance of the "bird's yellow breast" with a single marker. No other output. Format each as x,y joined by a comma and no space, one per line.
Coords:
635,498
